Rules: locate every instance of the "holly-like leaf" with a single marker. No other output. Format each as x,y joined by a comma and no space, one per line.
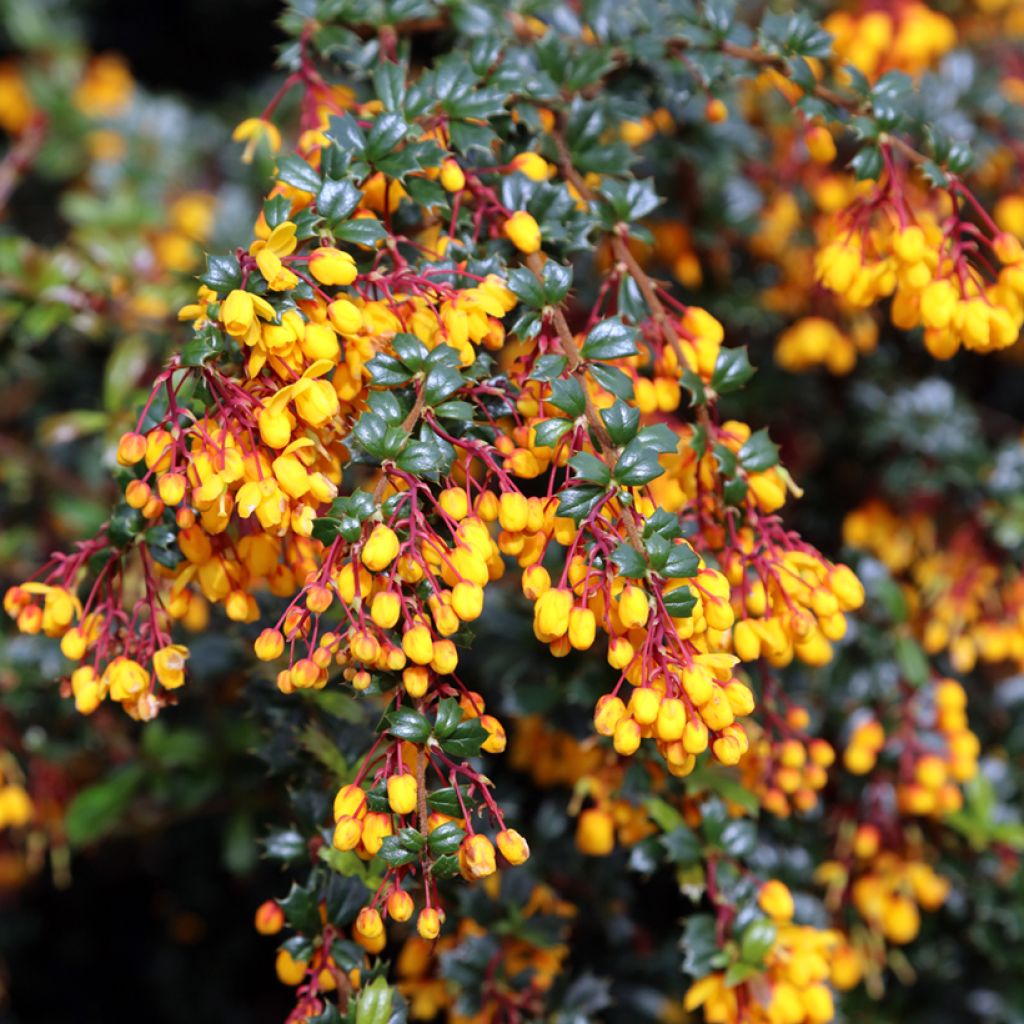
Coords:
336,200
610,339
758,453
567,395
679,603
590,468
576,503
407,724
732,370
629,561
637,465
465,740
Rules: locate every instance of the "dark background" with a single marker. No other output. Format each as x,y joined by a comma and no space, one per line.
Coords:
155,928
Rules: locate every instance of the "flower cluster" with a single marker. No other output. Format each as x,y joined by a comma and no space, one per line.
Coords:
441,384
960,280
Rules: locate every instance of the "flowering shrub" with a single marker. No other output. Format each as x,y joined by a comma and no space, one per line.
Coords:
462,440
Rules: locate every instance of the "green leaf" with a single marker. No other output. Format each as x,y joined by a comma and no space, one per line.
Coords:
387,131
699,945
465,739
446,801
223,274
637,465
389,84
374,1004
549,432
629,561
337,199
97,810
758,453
446,838
679,603
449,714
294,171
682,562
576,503
912,660
379,438
410,350
621,421
386,371
446,866
287,845
301,909
682,845
738,972
567,395
548,367
659,437
347,133
366,231
524,285
612,379
610,339
732,370
396,852
757,938
739,838
591,468
205,345
440,382
867,164
407,724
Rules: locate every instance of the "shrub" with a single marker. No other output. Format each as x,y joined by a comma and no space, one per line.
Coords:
458,500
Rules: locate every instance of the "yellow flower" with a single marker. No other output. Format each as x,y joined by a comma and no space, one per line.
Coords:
169,665
332,266
523,232
252,131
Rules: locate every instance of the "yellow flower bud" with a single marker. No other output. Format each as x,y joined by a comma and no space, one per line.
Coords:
595,833
418,645
608,713
523,232
289,970
131,449
369,924
381,548
269,919
634,608
820,144
626,738
452,177
776,900
350,801
478,853
332,266
344,316
513,846
428,924
385,609
671,720
644,705
467,600
347,833
400,905
402,793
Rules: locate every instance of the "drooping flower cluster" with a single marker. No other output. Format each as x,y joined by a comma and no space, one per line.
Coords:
959,279
400,393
